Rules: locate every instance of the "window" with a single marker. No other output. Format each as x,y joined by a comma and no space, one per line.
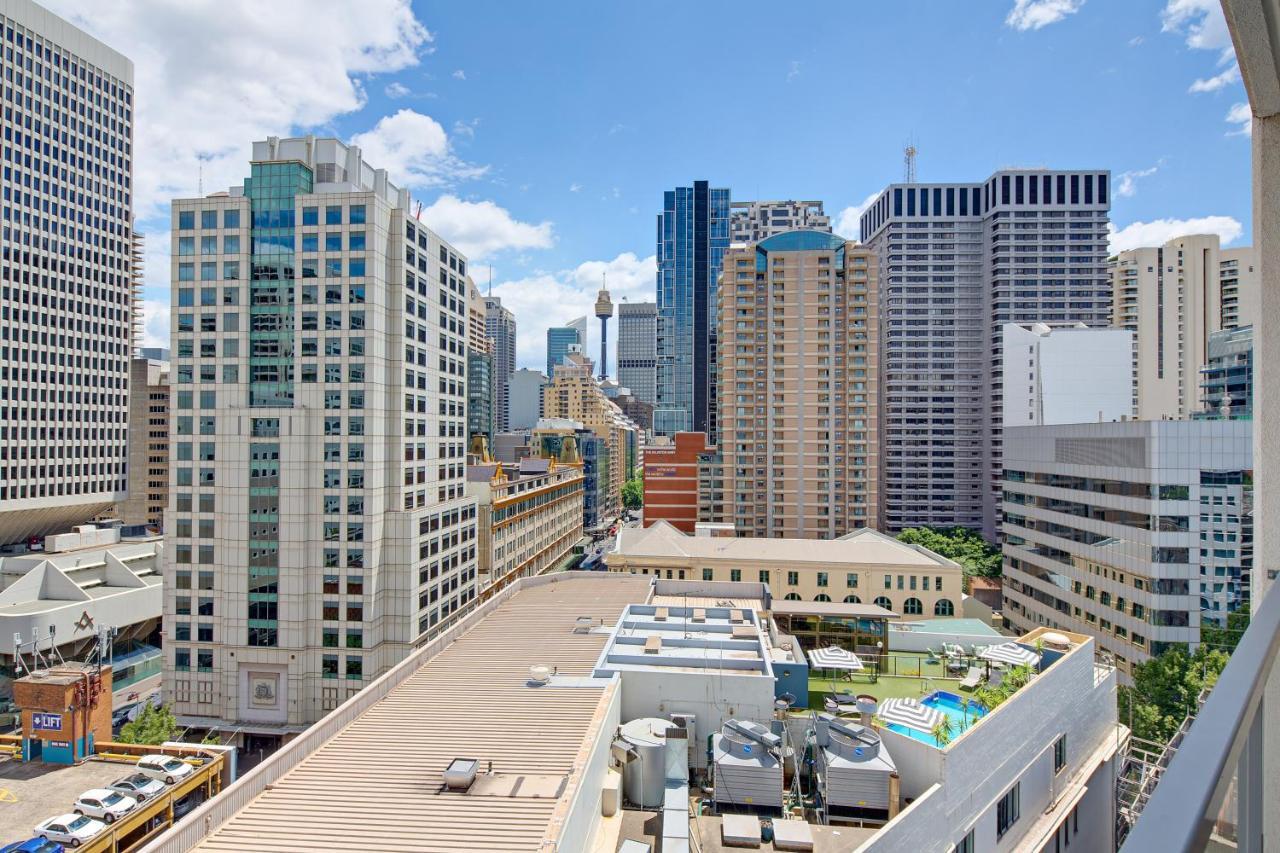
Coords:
356,214
964,845
182,660
944,607
1008,810
735,575
883,601
186,220
764,576
310,216
822,578
852,599
333,214
1060,754
851,580
230,219
708,574
912,607
793,578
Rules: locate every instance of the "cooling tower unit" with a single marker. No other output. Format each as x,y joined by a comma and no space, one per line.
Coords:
748,769
858,765
644,741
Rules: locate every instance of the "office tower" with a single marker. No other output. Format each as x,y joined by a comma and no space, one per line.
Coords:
148,442
67,288
1066,374
1173,297
1226,380
480,367
604,311
1128,531
637,349
561,340
693,234
958,261
753,221
322,527
525,392
500,326
799,375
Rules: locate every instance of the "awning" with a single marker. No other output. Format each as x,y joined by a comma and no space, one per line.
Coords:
910,713
1010,653
834,657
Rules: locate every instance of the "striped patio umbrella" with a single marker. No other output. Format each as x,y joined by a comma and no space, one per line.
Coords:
834,657
909,712
1010,653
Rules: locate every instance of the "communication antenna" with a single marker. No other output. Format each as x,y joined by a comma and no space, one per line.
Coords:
200,180
909,163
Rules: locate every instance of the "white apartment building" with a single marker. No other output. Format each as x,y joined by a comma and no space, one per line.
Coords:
66,308
500,326
753,221
1066,375
957,262
638,349
525,393
317,474
1173,297
1132,532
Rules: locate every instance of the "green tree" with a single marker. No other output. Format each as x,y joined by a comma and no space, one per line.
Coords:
1225,639
965,546
1165,690
151,726
633,493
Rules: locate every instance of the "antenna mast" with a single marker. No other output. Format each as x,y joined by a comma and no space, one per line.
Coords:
909,163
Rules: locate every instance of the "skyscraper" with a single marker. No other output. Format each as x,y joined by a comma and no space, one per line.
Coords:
67,274
637,349
693,234
561,340
753,221
958,261
799,359
320,522
526,398
480,357
500,326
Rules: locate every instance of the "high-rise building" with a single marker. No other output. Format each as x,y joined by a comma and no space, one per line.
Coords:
671,480
525,393
321,527
753,221
1128,531
67,294
637,349
561,340
148,444
799,375
1066,375
1226,380
958,261
1173,297
693,234
480,367
500,326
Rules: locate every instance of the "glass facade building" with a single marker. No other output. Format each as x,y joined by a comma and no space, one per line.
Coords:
693,234
561,338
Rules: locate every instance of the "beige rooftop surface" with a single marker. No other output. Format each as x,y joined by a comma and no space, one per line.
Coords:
376,784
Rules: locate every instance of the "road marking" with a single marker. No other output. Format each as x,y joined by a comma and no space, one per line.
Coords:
7,796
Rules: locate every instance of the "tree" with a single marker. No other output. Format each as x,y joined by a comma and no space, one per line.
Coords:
965,546
1225,639
1165,690
942,731
633,493
152,726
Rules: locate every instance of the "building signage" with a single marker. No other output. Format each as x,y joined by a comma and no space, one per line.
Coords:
47,722
662,471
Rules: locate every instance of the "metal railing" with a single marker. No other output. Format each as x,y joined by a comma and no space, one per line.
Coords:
1221,755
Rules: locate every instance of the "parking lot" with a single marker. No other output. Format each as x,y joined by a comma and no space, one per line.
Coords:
29,793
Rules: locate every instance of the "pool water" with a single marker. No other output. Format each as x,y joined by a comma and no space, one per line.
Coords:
953,707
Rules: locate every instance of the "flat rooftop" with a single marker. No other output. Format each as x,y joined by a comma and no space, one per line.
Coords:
376,783
35,791
715,639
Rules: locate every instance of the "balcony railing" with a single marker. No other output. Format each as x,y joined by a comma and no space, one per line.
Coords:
1212,791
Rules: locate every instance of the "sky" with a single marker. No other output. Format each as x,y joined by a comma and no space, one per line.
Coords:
539,138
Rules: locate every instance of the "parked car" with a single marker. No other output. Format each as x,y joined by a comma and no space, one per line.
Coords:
72,829
166,768
123,714
140,786
184,806
105,804
33,845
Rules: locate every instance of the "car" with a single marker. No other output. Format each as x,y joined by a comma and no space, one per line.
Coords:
33,845
140,786
73,829
124,714
166,768
104,803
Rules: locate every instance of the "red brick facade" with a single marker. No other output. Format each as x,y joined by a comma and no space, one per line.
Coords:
671,480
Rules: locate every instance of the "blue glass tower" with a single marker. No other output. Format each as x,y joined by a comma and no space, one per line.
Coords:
693,234
561,338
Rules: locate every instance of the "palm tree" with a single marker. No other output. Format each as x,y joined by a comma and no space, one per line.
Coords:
942,731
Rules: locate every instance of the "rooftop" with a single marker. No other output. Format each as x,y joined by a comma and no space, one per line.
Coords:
719,639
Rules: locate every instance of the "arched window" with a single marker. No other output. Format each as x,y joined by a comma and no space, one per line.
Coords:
883,601
852,599
944,608
822,596
791,596
912,607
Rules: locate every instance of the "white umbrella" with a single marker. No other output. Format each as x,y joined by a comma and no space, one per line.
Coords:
1010,653
911,713
834,658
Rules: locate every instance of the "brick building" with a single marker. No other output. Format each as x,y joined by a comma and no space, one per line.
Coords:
671,480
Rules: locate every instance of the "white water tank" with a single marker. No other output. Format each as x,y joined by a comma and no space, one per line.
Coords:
644,776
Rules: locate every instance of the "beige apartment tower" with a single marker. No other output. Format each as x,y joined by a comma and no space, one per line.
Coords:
799,341
1173,297
149,447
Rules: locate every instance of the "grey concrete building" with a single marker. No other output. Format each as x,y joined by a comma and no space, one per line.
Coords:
753,221
638,349
526,398
500,326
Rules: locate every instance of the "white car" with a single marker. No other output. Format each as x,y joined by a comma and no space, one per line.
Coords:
105,804
140,786
72,829
166,768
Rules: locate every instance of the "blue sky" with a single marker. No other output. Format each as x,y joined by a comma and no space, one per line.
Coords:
540,137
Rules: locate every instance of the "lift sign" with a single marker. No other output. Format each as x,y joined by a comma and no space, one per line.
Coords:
47,722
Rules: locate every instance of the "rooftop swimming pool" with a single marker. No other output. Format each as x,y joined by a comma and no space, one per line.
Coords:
953,708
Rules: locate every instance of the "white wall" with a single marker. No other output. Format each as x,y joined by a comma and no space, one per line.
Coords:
1066,375
583,819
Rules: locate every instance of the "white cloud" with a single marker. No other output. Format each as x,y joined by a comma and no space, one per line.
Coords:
1128,186
847,225
1218,81
1242,117
551,298
459,75
1034,14
575,187
1135,41
466,128
1160,231
1201,22
257,79
155,323
414,148
794,71
481,228
396,90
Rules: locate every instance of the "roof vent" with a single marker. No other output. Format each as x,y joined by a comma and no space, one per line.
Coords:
460,773
540,674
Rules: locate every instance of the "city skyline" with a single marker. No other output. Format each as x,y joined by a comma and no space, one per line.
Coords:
420,94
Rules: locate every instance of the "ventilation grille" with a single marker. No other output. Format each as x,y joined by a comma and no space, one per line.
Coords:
1115,452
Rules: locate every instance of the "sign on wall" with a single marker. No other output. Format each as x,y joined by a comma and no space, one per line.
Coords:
47,722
